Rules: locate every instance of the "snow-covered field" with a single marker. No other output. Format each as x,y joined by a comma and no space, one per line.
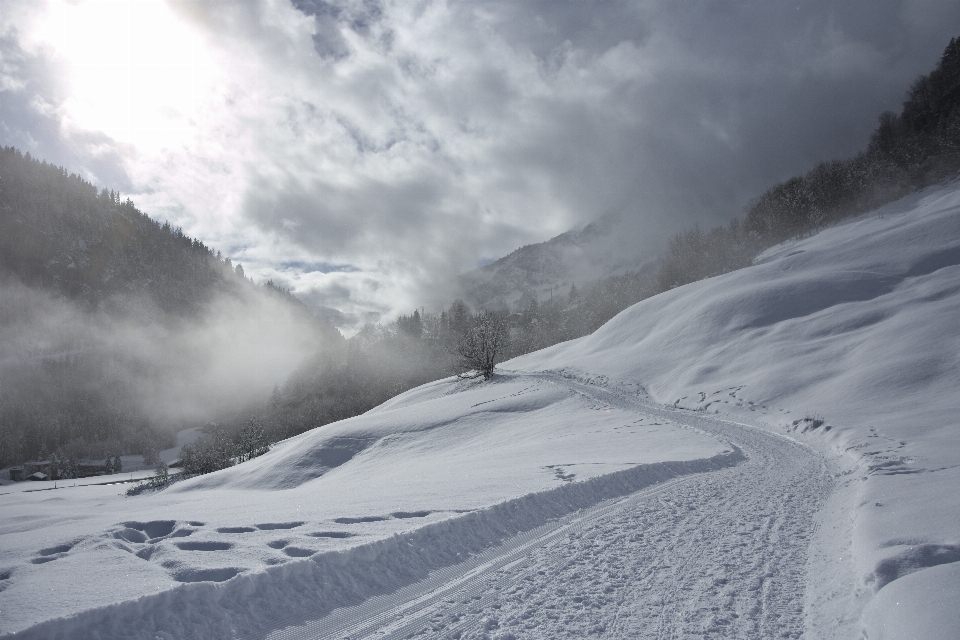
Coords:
769,453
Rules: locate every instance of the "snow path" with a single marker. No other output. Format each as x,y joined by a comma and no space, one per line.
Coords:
711,555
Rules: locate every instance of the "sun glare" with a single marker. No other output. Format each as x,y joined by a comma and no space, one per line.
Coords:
135,71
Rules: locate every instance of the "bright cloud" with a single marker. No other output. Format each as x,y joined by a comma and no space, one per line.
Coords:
133,70
404,142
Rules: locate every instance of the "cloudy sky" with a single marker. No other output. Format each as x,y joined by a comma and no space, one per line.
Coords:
363,152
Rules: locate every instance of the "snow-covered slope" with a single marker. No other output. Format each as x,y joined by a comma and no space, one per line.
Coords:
842,348
858,326
475,461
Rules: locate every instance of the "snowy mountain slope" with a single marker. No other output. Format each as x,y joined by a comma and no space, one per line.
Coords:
712,555
476,462
857,326
831,366
608,246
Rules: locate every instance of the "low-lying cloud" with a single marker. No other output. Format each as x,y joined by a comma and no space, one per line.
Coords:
172,369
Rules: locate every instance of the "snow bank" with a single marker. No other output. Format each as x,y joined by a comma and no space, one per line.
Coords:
849,339
309,588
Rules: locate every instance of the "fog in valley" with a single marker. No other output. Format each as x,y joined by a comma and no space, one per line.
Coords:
113,385
175,369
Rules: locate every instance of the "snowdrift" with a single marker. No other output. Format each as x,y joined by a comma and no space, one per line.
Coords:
284,594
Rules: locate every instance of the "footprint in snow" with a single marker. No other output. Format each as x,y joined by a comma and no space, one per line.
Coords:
51,553
271,526
359,520
150,532
203,545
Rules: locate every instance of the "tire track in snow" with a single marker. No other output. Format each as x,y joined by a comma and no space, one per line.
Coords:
712,555
456,589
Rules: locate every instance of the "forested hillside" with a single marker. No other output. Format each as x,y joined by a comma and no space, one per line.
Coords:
907,151
99,305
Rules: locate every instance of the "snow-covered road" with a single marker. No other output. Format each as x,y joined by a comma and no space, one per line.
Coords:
720,554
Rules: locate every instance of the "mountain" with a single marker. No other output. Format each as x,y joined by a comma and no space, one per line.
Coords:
114,327
847,342
603,248
771,452
918,147
762,446
59,233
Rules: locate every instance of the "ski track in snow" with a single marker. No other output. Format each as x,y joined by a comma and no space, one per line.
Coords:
711,555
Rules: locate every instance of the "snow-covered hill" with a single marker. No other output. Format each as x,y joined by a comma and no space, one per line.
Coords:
772,452
470,463
858,326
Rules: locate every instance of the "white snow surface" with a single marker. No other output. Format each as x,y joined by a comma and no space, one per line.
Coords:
443,452
769,453
859,326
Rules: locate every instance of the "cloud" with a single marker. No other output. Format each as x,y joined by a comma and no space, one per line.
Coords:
410,140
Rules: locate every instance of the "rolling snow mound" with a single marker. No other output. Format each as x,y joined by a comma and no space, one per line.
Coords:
849,339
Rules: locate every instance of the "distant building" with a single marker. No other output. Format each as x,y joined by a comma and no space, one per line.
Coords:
87,468
30,469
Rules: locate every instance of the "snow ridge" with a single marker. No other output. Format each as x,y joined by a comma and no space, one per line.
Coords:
313,586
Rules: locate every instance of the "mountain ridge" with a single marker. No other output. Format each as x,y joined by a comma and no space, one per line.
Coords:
597,250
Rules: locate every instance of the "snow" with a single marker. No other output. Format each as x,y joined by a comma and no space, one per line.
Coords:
477,459
185,436
772,452
857,324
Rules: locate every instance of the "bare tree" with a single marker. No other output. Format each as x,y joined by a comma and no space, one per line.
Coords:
479,347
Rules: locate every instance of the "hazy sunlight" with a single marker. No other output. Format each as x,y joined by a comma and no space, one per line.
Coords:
135,71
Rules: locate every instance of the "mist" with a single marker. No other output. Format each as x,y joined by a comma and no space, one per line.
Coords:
96,376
